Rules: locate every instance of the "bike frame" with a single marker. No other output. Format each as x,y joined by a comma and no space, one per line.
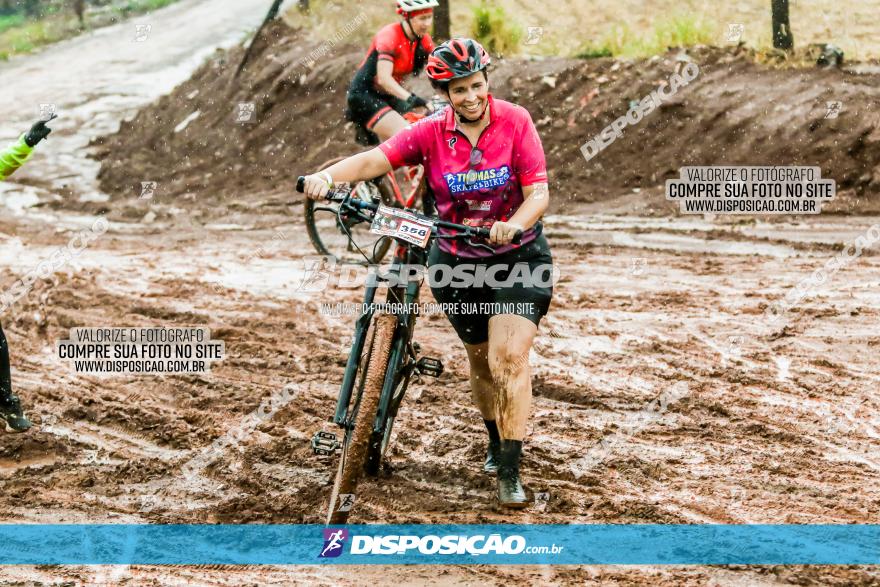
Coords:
414,180
415,173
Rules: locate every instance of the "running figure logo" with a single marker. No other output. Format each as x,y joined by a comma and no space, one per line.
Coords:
316,273
333,542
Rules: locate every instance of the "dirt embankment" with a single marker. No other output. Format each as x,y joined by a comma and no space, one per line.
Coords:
735,112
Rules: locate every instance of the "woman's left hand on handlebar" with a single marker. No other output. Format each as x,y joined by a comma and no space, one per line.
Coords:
502,233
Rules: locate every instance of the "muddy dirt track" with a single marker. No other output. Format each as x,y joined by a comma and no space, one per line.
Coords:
775,423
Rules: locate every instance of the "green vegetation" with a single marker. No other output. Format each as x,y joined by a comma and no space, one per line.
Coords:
678,30
140,6
10,20
32,34
497,31
55,21
591,51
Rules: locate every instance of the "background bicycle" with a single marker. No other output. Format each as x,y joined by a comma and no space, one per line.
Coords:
340,236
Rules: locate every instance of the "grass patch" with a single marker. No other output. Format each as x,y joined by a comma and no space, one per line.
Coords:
30,35
10,21
497,31
594,52
679,30
141,6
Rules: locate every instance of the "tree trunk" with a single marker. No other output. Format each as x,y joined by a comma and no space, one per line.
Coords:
441,22
782,37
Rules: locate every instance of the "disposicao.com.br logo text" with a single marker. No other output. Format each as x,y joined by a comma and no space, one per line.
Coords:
444,545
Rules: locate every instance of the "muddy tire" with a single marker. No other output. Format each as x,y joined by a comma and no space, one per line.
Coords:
328,239
379,441
354,451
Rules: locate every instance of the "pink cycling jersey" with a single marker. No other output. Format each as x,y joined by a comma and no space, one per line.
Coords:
474,194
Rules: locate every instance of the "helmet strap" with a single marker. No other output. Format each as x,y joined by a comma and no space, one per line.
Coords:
411,29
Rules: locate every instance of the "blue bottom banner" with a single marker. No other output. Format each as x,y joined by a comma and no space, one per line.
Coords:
606,544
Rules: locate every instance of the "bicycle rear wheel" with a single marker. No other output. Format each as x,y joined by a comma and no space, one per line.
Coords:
328,234
354,450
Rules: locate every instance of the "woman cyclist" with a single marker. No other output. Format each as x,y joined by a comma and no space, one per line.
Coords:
376,99
485,163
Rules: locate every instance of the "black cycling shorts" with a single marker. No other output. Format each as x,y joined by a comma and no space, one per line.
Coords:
530,300
366,105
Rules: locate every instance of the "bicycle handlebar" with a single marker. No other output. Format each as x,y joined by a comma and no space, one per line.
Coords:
339,195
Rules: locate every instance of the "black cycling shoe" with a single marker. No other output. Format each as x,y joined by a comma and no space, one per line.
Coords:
12,414
510,490
491,464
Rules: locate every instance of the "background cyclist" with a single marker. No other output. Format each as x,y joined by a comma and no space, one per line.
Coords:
376,98
485,163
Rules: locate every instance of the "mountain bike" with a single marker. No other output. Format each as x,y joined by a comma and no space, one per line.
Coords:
383,357
339,236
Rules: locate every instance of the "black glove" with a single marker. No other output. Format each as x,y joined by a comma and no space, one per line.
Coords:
415,101
38,132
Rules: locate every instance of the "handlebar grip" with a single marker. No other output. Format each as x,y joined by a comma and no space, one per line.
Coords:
301,184
485,232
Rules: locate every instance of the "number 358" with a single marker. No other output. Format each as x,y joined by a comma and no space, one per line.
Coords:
414,230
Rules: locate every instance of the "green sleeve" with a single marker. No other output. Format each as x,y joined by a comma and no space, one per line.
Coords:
13,157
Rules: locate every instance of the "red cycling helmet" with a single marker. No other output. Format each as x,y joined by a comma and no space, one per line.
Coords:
457,58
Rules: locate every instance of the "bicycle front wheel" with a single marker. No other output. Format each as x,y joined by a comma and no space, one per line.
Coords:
354,450
341,237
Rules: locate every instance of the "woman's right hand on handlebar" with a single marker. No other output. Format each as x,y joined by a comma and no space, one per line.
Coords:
316,186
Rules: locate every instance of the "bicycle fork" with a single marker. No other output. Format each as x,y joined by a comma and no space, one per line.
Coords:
326,443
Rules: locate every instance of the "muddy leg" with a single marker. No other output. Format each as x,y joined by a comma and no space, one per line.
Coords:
482,385
510,339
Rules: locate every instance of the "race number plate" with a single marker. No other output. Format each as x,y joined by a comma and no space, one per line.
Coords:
401,224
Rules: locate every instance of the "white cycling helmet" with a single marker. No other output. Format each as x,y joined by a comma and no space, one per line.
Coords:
406,6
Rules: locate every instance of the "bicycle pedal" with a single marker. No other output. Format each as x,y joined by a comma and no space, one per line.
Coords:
429,366
324,443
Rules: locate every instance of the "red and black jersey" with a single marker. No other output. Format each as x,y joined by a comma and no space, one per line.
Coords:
392,44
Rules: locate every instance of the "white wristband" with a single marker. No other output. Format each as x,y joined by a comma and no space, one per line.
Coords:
327,178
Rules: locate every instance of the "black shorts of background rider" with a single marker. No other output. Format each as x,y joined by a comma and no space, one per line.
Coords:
530,300
366,106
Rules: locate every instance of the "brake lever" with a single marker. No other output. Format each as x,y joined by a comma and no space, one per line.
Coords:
480,245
